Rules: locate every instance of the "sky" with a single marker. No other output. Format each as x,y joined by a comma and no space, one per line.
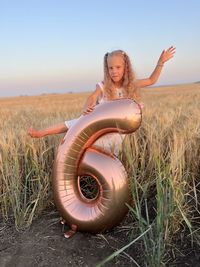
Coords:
57,46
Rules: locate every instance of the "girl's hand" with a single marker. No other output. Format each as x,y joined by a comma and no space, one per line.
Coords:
88,110
166,55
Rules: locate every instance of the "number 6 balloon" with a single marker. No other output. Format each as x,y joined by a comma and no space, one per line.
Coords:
77,156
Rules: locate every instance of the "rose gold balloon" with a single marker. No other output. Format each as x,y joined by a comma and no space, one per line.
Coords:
76,157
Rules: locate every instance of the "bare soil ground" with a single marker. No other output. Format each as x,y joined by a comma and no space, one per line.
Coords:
43,244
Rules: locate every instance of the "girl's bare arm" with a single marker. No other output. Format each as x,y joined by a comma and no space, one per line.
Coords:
165,56
92,100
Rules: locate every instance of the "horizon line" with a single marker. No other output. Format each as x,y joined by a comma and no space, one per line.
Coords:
76,91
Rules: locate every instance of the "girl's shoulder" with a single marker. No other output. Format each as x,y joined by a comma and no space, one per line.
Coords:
100,85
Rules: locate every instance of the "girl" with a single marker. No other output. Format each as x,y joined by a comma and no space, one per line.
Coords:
119,82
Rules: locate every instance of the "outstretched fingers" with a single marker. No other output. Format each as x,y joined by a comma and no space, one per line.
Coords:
167,54
171,50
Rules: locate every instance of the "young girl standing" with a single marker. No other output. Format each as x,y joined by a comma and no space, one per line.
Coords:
119,82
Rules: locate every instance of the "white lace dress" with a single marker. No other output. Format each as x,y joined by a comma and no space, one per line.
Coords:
112,141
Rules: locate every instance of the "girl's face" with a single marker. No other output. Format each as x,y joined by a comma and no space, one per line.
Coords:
116,68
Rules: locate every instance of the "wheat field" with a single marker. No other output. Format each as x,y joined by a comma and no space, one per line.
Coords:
161,158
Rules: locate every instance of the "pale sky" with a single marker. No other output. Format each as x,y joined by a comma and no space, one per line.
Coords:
56,46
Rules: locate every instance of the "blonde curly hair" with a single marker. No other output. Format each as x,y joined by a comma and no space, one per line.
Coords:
128,81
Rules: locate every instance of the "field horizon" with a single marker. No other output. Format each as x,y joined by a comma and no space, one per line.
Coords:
68,91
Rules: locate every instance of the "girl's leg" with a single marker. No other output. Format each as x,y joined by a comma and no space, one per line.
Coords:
56,129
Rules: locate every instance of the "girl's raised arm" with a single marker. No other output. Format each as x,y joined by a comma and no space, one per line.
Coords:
165,56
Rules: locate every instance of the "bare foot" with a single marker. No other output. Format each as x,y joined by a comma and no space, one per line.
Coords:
34,133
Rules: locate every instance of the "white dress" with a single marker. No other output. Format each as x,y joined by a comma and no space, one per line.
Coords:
112,141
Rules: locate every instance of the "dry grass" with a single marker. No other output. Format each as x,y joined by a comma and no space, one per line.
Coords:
162,159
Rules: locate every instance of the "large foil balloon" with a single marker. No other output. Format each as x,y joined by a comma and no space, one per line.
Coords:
76,158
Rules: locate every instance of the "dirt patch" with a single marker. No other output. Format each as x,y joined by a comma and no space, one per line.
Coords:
43,244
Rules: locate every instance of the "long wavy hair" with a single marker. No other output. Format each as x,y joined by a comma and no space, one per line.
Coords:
128,80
